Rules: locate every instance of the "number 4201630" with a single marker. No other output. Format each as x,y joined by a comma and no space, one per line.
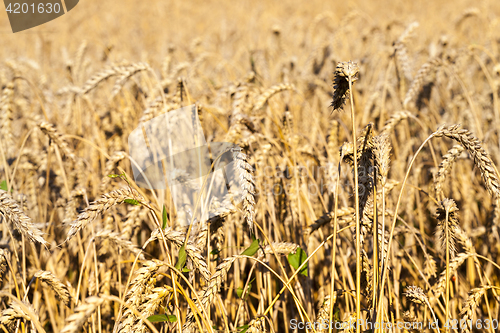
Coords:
24,8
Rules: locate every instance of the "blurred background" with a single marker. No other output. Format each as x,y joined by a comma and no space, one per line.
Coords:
143,31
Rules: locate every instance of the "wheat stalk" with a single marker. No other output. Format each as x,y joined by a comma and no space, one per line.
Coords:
444,168
247,180
143,280
395,119
111,164
7,116
324,314
416,295
328,217
99,206
281,248
55,284
381,154
3,262
178,238
118,241
151,303
480,156
467,13
257,325
341,84
125,73
367,279
74,322
212,288
439,287
96,79
133,220
423,74
401,51
50,130
9,316
9,208
70,211
447,219
410,318
264,97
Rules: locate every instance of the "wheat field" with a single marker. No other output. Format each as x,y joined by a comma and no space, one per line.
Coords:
370,194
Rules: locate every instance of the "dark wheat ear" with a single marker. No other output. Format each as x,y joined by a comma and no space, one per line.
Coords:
469,307
341,82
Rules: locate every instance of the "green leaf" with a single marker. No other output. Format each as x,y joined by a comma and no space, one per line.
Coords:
296,259
185,270
252,249
132,202
162,318
215,254
336,314
242,328
113,176
239,291
3,185
164,217
181,261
